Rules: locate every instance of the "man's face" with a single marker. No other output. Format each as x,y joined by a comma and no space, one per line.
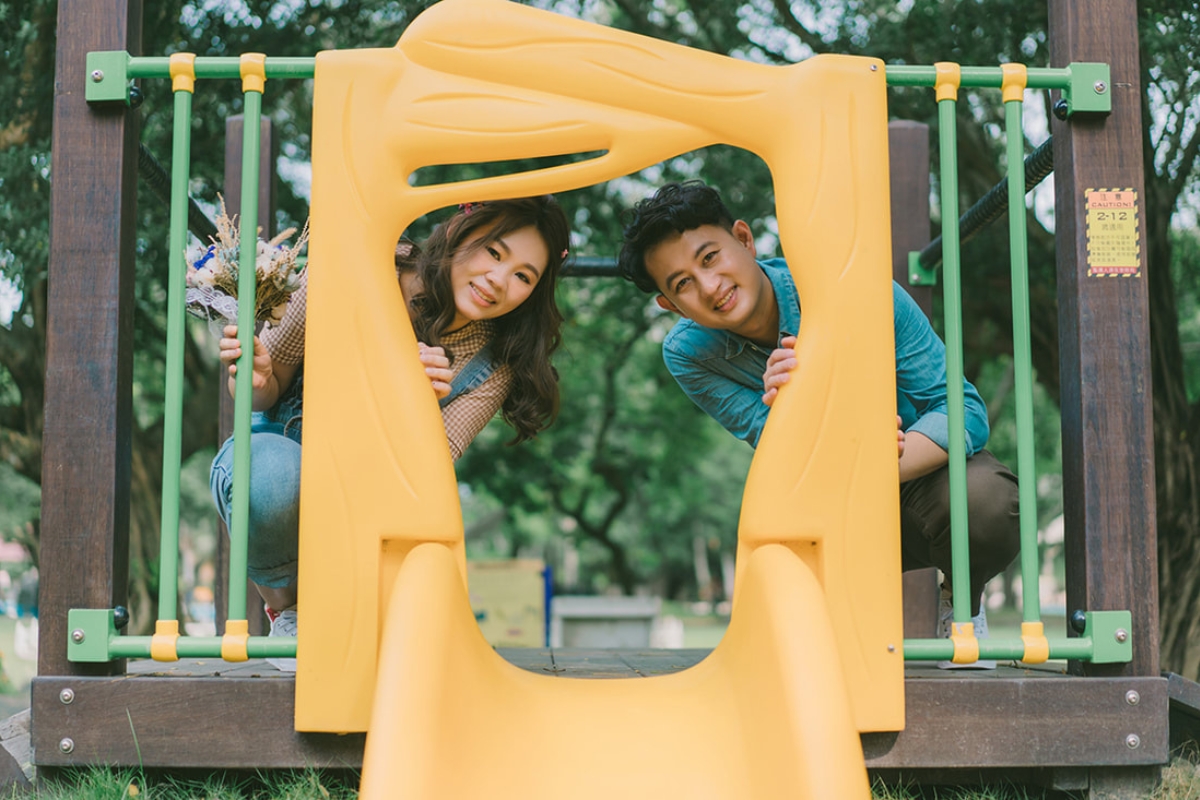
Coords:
709,275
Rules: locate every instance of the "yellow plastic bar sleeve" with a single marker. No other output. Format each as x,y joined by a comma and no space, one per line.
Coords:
163,645
183,72
1037,646
949,78
966,646
254,72
236,640
1012,85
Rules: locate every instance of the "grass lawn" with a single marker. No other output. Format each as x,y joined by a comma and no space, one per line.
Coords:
1181,781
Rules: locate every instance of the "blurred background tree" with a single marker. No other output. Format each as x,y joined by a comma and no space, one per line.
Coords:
633,482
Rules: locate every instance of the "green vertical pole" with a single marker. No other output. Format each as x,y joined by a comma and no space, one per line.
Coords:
168,568
243,395
952,302
1023,360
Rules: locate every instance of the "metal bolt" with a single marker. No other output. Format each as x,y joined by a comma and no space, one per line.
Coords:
874,68
66,745
66,696
1132,697
1100,86
77,636
1121,635
914,277
97,75
1133,741
891,648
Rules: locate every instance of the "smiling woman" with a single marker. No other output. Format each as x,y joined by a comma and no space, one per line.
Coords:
480,296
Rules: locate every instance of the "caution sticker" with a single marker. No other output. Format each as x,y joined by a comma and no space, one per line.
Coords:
1112,234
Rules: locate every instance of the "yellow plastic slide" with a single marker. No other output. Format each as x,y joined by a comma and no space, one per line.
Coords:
388,642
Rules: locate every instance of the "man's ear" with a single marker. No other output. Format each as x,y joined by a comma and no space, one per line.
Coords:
741,232
667,305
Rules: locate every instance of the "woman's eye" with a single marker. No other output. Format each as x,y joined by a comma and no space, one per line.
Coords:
708,257
493,252
681,283
521,276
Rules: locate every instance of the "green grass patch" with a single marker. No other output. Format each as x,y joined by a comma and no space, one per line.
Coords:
131,784
1181,781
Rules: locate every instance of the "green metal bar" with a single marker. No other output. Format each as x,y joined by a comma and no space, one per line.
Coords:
960,558
981,77
244,390
225,67
1079,648
1022,361
204,647
168,569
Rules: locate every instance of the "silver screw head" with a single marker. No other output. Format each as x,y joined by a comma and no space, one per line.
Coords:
97,75
66,745
1133,741
77,636
1121,635
891,648
874,68
1132,697
66,696
914,278
1100,86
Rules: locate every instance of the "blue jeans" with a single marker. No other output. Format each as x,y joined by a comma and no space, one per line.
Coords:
274,536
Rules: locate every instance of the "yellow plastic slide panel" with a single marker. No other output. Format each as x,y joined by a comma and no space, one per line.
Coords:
764,716
487,80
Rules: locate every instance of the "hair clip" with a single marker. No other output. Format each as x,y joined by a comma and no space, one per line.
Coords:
563,257
467,208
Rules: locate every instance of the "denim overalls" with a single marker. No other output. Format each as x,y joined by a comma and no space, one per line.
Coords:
273,545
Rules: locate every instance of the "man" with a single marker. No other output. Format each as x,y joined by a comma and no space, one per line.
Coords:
734,349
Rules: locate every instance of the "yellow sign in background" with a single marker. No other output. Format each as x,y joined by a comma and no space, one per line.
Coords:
1112,233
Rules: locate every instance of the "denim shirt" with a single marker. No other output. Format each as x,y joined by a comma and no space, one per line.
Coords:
723,372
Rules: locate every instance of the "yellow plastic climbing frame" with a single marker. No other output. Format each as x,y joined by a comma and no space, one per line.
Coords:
388,642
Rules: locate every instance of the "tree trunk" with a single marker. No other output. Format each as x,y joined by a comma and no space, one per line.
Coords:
1175,434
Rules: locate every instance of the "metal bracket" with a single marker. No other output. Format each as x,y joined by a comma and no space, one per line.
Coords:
1111,633
1090,90
89,631
107,77
919,275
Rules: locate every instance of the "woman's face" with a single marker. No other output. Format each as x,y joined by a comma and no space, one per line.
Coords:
494,278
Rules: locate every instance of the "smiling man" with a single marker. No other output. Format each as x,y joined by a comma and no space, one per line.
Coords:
734,348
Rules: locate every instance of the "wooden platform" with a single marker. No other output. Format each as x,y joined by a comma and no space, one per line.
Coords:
206,713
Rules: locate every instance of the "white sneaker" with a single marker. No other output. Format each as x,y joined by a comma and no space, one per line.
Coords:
283,623
946,620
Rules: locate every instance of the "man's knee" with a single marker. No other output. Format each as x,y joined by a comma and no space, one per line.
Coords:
994,510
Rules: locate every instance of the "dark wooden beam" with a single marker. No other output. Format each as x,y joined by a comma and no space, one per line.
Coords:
1104,339
89,343
908,155
955,721
908,159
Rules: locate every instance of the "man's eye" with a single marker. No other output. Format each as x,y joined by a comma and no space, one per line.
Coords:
681,283
709,256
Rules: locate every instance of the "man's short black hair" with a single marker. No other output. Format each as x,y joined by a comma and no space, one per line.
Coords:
671,211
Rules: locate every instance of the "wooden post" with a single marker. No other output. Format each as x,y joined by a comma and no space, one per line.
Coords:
89,341
908,156
1104,342
266,221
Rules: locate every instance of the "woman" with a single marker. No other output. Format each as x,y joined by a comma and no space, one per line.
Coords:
481,298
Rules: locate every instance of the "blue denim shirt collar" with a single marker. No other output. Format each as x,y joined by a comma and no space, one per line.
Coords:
776,270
